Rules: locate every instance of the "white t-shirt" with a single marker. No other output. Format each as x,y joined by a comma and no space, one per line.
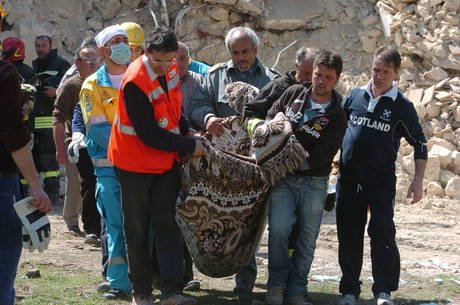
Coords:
116,79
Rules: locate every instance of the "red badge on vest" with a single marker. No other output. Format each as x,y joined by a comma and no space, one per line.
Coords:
163,122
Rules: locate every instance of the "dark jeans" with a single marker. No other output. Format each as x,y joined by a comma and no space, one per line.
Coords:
148,200
353,202
10,238
89,214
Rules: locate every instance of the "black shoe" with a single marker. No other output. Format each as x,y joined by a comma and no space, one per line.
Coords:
113,294
103,287
243,287
75,230
192,285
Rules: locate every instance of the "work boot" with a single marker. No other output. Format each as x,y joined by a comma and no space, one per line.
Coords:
142,300
347,299
179,299
296,299
275,296
384,298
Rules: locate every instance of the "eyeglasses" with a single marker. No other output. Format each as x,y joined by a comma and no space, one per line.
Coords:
93,60
163,63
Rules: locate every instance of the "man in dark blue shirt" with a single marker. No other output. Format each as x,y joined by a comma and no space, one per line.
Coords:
378,117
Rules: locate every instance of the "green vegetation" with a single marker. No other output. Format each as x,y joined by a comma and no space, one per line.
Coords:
60,285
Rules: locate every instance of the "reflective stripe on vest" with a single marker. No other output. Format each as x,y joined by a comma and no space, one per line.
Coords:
101,118
172,83
43,122
155,93
101,162
124,128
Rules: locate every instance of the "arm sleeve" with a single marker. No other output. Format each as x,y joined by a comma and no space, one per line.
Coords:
62,104
412,132
184,124
13,133
141,113
77,121
202,102
259,106
278,106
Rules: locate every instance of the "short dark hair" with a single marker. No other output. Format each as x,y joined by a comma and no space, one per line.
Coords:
330,60
44,37
163,40
389,55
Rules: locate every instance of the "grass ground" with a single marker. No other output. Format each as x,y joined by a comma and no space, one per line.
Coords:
58,286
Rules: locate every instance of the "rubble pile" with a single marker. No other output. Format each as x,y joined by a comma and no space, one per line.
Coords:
425,31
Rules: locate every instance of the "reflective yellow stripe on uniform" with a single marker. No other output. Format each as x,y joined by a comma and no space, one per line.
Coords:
50,174
43,122
101,162
124,128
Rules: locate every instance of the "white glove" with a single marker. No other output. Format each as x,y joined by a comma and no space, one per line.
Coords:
36,223
26,241
78,141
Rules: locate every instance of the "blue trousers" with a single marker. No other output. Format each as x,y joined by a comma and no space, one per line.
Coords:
353,203
108,204
10,238
294,200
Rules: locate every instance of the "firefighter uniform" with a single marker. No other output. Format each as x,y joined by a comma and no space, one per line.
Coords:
41,122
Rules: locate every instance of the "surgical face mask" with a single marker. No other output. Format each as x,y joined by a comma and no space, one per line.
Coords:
120,53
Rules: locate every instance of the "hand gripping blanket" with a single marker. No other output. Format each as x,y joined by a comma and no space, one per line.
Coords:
224,214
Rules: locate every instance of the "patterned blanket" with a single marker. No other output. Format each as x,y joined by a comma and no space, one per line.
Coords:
224,214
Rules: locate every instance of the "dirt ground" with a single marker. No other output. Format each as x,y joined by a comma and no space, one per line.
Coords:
428,236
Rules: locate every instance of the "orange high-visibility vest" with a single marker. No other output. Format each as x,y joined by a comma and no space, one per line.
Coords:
126,150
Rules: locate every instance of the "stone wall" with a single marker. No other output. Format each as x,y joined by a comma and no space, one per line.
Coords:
425,31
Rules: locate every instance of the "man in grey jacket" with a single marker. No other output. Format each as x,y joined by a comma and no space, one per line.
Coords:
209,106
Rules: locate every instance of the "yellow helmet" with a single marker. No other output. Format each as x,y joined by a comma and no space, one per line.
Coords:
2,10
135,33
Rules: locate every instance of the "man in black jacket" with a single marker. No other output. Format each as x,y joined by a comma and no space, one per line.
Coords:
41,119
319,123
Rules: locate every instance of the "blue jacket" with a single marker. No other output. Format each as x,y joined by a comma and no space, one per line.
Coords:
375,128
77,121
